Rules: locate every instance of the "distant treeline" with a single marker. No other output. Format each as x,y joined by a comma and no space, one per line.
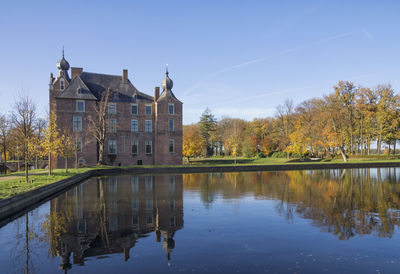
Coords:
344,122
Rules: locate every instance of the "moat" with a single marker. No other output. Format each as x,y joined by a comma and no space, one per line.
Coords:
248,222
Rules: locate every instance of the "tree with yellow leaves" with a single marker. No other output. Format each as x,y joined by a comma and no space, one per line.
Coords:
67,148
193,143
52,141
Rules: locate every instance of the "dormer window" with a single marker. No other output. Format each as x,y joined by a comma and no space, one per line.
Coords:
62,84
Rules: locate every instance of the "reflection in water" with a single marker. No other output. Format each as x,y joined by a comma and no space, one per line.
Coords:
342,202
109,215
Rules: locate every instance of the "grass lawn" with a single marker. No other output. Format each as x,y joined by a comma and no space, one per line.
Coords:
16,182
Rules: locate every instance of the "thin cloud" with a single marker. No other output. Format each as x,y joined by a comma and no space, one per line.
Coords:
250,62
367,35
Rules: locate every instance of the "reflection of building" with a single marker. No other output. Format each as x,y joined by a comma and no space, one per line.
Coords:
108,215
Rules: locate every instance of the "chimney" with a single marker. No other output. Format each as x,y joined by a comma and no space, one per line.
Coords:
156,93
76,72
125,75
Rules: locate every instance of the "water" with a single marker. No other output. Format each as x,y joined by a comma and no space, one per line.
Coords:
258,222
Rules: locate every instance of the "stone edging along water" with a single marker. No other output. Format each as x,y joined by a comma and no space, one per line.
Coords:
28,200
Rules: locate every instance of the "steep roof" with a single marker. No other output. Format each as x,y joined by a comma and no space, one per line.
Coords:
167,94
77,90
121,91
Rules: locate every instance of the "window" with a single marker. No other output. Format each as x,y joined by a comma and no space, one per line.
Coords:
134,110
113,205
148,147
112,147
81,161
113,184
135,204
134,126
113,224
135,184
171,125
171,205
112,108
147,126
82,226
134,145
149,204
78,144
148,183
62,84
171,183
112,125
135,221
149,220
171,146
148,109
170,108
80,106
77,123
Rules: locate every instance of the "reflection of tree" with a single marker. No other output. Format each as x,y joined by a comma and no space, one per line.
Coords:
342,202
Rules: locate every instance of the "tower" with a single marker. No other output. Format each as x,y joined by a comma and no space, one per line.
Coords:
168,130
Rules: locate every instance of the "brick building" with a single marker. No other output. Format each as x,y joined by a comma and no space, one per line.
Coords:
141,129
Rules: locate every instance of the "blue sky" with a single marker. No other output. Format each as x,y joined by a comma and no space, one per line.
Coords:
239,58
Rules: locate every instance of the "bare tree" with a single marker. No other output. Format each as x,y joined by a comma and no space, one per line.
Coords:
4,135
23,119
285,119
98,124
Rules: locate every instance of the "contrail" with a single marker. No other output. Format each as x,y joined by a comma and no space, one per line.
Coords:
284,52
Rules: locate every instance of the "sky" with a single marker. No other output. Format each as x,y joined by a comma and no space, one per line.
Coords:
241,59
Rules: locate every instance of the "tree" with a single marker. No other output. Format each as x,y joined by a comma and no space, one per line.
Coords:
51,142
207,125
234,141
98,124
67,148
285,120
4,136
345,95
192,141
23,119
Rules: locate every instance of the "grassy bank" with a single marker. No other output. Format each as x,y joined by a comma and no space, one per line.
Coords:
13,184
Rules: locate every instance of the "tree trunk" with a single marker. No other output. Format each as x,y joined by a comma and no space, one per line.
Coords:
101,148
26,162
394,147
66,165
343,154
76,159
50,167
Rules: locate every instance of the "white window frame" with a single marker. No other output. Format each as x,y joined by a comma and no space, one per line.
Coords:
79,126
173,109
171,129
109,144
173,145
137,109
77,104
134,129
113,109
151,147
112,125
135,142
148,127
145,109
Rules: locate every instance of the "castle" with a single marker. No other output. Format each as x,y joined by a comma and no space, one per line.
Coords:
141,129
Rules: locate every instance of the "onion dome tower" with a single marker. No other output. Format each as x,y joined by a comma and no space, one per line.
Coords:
63,67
